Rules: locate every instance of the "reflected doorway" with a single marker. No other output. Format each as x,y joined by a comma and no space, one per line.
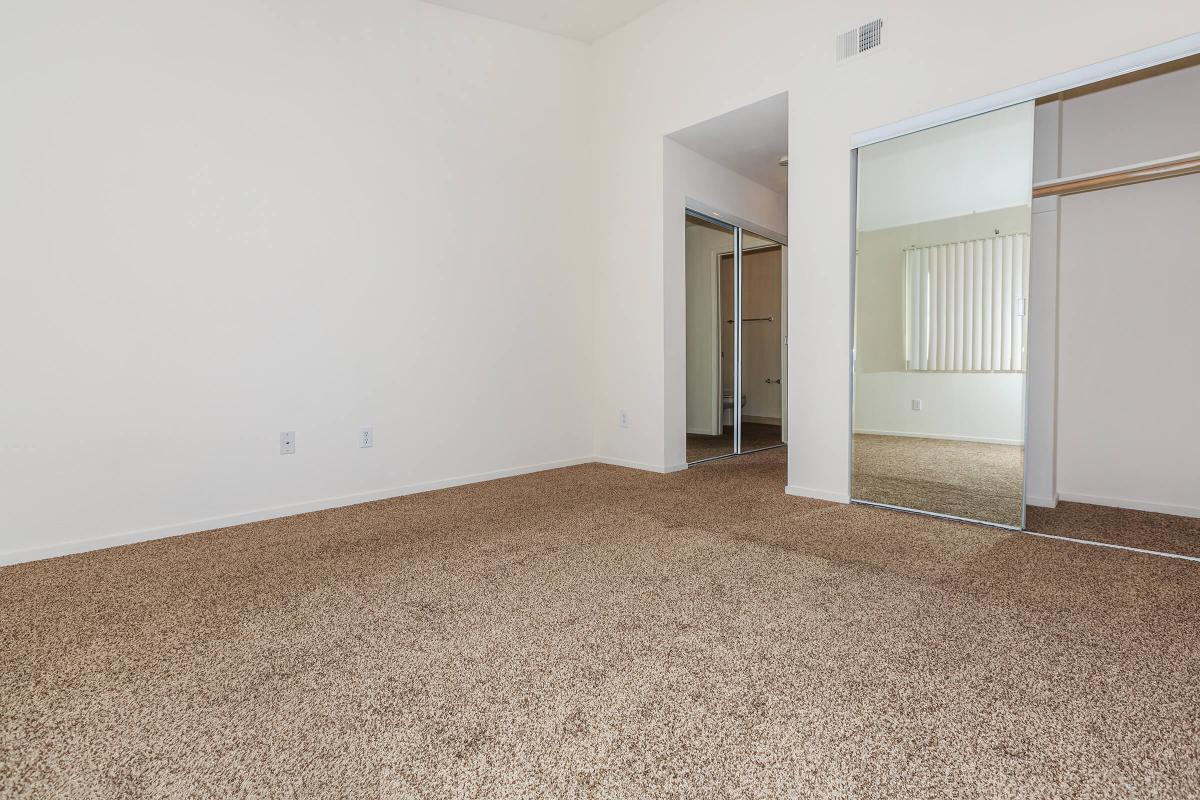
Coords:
736,340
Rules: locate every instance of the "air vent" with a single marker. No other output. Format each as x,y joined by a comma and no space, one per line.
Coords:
862,39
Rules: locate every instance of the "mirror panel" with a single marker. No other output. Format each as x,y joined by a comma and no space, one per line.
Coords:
709,303
941,289
762,343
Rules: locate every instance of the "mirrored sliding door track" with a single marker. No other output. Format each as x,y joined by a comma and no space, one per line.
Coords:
951,517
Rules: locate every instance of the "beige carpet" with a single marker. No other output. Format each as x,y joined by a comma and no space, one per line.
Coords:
597,632
962,479
1165,533
755,436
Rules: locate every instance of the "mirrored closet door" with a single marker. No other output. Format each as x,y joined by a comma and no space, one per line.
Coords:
940,334
763,373
736,340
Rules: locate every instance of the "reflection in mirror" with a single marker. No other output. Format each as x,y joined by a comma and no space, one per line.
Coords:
941,281
763,372
708,303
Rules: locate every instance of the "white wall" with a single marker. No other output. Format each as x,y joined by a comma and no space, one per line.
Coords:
689,181
1130,121
1128,284
941,173
1128,431
659,74
223,220
971,406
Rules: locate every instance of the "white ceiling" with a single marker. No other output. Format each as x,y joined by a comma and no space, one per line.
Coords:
586,20
750,141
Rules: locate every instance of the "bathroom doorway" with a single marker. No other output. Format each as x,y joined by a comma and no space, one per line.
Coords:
736,340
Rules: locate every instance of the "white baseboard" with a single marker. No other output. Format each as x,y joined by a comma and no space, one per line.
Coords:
817,494
1136,505
275,512
762,420
620,462
1041,502
910,434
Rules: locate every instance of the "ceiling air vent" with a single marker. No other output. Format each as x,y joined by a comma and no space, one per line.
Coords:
856,41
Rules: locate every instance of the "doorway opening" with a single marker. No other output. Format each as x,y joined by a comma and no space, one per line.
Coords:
726,193
736,340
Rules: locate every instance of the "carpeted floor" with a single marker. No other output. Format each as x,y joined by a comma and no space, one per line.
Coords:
963,479
755,436
1165,533
597,632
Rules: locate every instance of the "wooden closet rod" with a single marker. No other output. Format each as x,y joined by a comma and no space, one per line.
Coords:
1122,176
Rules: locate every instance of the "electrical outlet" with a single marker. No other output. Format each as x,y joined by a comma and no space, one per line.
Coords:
623,418
366,437
916,405
287,443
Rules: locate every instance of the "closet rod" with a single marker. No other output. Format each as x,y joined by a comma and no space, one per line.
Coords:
1122,176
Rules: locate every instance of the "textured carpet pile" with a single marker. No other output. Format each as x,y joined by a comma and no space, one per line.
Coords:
596,632
974,480
755,436
1164,533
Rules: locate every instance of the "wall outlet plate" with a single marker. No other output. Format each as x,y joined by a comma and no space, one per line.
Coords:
916,405
623,418
366,437
287,443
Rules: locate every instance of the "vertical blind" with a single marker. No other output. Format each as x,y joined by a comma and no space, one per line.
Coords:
965,305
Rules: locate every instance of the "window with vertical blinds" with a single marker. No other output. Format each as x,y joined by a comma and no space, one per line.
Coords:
965,305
